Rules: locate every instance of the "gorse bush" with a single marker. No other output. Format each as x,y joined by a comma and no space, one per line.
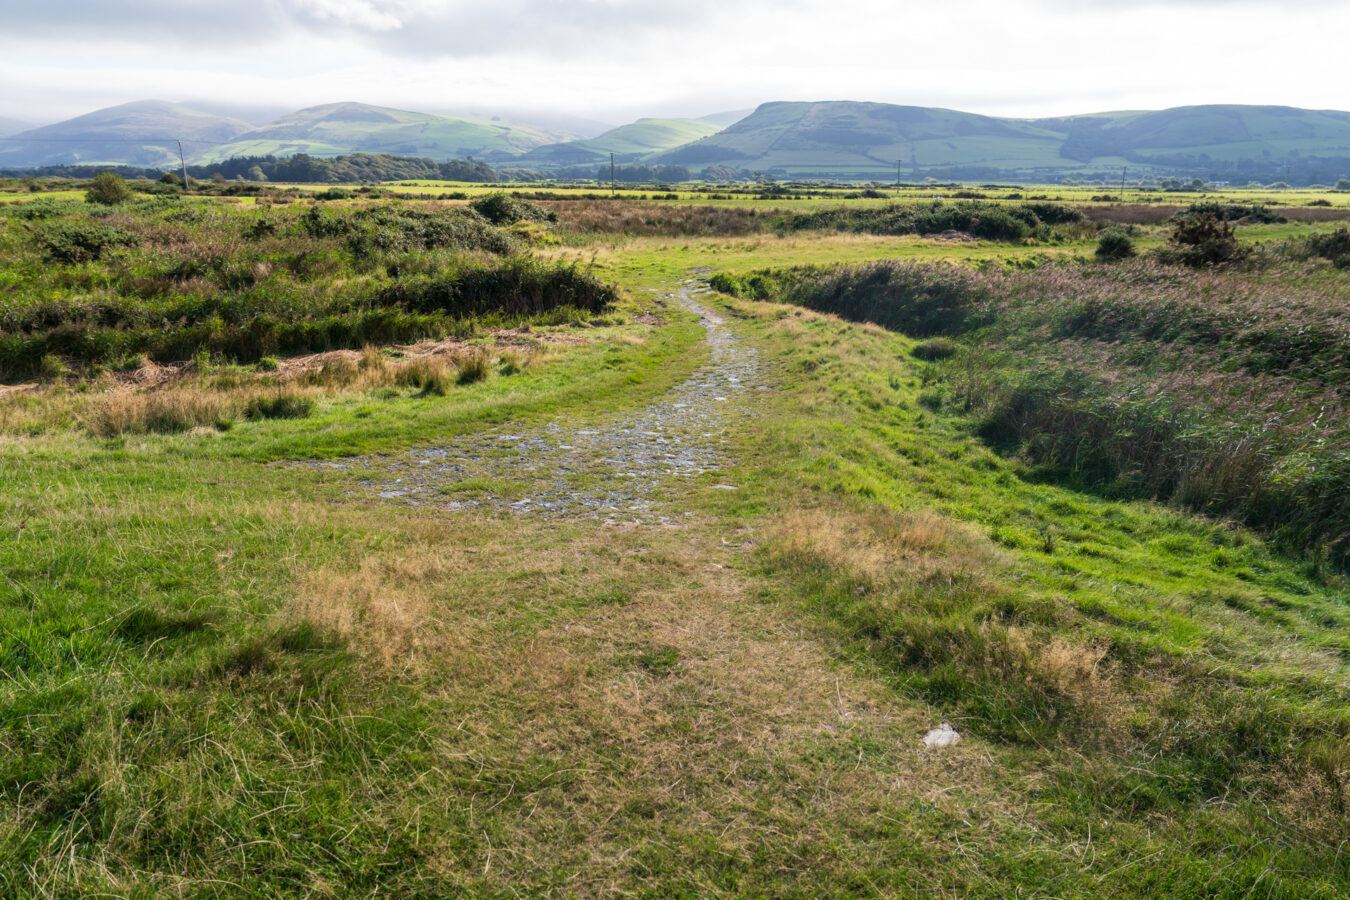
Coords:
108,189
1203,237
1009,222
1114,244
501,208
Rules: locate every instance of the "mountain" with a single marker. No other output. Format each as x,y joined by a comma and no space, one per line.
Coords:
10,126
338,128
730,117
845,137
832,139
255,114
628,142
554,125
143,133
1225,133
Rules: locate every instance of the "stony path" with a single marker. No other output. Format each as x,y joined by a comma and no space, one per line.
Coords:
609,469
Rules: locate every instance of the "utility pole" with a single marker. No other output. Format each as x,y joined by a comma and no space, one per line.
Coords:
1122,183
897,175
613,189
183,163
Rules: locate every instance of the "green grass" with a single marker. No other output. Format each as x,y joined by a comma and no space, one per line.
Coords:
228,674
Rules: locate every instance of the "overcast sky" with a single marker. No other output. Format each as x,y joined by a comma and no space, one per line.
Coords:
614,60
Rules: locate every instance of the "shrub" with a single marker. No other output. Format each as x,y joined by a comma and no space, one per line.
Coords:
77,242
936,349
108,189
1114,244
1203,239
281,405
500,208
474,367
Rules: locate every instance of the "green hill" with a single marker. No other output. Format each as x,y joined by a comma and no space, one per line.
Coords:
138,134
867,139
1228,133
339,128
844,137
628,142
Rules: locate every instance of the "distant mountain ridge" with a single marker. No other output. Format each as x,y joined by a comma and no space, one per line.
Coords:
143,133
846,137
839,139
627,142
337,128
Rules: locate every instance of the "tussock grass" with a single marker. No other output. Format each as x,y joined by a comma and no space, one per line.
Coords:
195,398
1089,372
159,413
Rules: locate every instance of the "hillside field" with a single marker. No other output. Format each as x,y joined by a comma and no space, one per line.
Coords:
538,541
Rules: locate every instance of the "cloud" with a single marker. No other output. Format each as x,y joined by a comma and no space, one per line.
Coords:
612,58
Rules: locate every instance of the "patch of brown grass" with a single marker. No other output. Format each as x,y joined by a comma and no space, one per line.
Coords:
159,412
380,610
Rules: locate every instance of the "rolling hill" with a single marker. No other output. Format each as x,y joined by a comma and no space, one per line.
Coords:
839,139
867,139
1227,133
140,134
338,128
628,142
864,138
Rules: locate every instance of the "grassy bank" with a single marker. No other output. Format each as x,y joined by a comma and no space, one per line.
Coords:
1212,389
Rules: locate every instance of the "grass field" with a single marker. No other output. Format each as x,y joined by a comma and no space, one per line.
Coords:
234,668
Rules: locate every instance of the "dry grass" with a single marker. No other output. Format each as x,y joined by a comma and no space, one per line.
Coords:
159,412
172,399
884,547
633,218
381,610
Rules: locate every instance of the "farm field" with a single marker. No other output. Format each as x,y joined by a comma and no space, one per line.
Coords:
530,544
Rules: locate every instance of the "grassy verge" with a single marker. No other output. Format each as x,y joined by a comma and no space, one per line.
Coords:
1167,685
1209,388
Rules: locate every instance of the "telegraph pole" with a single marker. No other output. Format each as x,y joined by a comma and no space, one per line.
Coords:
1122,183
897,175
613,189
183,163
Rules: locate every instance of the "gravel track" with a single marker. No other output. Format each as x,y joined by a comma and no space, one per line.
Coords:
611,469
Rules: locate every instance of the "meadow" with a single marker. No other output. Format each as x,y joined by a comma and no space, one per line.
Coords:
1089,511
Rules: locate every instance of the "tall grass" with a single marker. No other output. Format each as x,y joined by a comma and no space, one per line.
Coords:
1210,389
167,279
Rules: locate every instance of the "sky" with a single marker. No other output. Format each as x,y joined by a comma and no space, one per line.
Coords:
615,60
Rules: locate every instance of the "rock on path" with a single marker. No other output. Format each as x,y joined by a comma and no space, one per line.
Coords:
608,469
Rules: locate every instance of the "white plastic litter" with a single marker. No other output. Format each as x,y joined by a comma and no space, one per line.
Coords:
942,736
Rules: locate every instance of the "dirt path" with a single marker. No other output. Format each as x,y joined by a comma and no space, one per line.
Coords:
689,724
609,469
